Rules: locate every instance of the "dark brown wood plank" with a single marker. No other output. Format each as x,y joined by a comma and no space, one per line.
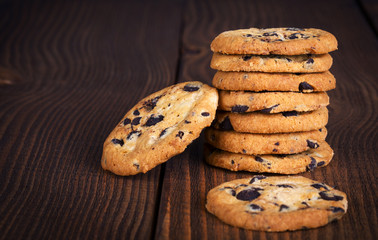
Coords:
370,10
69,71
352,125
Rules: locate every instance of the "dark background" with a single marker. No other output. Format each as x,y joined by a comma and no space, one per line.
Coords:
69,71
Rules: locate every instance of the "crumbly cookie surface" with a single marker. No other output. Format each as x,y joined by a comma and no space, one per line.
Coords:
281,41
276,203
159,127
274,163
255,143
272,63
284,122
271,102
259,81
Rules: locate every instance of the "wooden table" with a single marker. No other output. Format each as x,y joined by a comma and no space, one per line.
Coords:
69,71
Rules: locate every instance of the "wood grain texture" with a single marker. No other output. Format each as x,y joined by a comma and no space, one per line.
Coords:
352,126
370,9
69,71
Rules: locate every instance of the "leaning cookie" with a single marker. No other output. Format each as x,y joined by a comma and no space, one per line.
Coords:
272,63
276,203
284,122
255,143
282,82
281,41
271,102
274,163
159,127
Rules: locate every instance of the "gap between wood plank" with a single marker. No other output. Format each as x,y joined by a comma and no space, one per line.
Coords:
367,16
163,165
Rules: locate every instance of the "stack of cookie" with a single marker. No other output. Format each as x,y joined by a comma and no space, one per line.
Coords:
272,100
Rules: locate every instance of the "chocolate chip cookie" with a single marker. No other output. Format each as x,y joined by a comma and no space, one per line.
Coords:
159,127
280,41
284,122
255,143
276,203
281,82
271,102
272,163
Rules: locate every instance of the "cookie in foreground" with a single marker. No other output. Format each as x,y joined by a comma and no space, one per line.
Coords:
159,127
276,204
281,41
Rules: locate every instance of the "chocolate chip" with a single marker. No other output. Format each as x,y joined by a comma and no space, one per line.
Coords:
244,151
126,121
259,159
136,112
239,108
205,114
255,207
248,195
311,144
310,61
136,165
256,178
247,57
117,141
329,196
290,114
275,150
248,35
289,60
180,134
293,36
232,192
306,204
151,103
136,121
187,122
154,120
226,124
283,207
319,186
277,143
337,209
137,133
312,165
285,186
232,162
268,110
191,88
305,87
320,164
243,185
163,132
294,29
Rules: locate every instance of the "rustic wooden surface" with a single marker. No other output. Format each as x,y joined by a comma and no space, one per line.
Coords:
69,70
